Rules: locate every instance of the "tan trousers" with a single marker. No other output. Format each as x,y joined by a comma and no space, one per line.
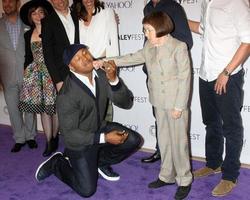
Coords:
174,149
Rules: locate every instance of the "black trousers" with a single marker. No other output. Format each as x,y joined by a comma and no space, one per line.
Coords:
221,115
80,172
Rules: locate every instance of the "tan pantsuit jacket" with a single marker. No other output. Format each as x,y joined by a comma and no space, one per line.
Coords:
169,74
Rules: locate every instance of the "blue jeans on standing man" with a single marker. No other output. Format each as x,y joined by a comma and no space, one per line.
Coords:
221,115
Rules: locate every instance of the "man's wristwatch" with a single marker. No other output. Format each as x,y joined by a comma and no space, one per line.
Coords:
226,72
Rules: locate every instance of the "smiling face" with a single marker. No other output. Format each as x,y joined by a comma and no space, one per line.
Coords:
37,15
10,7
150,33
60,5
89,4
82,62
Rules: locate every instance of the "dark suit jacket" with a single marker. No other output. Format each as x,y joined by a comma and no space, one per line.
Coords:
28,53
81,114
54,40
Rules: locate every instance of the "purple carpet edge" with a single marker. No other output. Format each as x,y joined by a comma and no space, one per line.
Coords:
17,180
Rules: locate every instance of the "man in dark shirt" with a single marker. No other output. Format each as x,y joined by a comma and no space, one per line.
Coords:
181,32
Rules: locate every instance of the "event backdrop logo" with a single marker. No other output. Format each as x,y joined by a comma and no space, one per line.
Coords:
245,108
195,136
127,69
140,99
119,4
138,36
187,1
133,127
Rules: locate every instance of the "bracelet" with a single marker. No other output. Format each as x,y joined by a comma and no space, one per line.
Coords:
226,72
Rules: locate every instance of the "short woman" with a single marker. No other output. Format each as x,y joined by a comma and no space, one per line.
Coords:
169,73
38,94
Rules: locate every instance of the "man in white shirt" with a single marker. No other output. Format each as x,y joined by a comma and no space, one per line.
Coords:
59,30
92,144
225,30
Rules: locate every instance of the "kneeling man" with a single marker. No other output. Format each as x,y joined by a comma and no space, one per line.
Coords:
92,145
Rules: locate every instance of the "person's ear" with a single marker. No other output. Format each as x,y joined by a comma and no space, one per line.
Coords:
71,68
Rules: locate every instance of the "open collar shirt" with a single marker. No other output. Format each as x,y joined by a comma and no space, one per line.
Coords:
68,24
14,31
85,81
101,34
224,25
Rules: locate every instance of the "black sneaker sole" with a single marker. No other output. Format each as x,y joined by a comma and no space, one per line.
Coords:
117,178
39,167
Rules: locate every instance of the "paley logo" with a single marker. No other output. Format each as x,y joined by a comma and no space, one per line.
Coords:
138,36
187,1
119,4
133,127
140,99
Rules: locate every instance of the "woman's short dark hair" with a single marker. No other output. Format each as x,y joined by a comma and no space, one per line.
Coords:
31,10
161,22
81,11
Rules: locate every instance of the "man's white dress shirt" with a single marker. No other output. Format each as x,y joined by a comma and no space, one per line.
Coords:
224,25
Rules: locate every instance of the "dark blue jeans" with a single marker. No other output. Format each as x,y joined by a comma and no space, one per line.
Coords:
81,172
221,115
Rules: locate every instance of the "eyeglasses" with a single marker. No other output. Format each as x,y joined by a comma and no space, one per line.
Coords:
145,30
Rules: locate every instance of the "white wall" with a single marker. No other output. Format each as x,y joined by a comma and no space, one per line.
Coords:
140,117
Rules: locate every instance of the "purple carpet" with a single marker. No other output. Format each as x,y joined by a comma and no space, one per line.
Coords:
17,180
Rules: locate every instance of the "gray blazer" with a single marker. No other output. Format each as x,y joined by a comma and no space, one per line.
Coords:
81,114
11,60
169,72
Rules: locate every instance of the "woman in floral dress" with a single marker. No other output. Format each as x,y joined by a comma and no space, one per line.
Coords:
38,94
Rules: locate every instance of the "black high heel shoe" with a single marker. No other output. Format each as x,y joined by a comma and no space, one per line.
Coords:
51,146
48,149
54,142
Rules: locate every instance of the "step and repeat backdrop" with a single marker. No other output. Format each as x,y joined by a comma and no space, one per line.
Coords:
140,118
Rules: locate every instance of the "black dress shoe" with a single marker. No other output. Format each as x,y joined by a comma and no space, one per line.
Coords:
158,183
32,144
54,143
17,147
48,149
156,156
108,173
182,192
46,168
